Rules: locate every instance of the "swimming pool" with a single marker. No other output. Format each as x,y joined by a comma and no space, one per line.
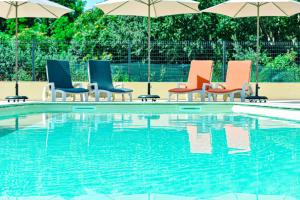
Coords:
79,151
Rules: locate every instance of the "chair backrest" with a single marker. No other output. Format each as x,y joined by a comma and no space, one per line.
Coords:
58,72
238,73
100,73
200,72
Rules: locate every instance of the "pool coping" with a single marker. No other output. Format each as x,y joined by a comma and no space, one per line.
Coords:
270,105
274,105
277,110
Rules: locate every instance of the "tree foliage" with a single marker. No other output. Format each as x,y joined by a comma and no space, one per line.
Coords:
90,24
89,34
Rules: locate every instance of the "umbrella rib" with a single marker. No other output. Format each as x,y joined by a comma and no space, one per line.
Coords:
240,10
116,8
48,10
22,3
9,10
187,6
10,6
9,3
153,3
139,1
258,4
280,9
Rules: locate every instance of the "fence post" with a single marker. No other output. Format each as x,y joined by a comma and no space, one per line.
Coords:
298,60
129,59
224,61
33,59
298,53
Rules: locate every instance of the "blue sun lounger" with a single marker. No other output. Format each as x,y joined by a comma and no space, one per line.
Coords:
59,80
100,81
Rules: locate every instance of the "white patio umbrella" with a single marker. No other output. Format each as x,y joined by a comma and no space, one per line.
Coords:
256,8
148,8
28,8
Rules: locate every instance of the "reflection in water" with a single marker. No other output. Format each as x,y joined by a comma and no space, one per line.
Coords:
166,156
199,142
238,139
8,126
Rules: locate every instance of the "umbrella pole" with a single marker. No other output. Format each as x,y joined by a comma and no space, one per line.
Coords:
17,97
256,98
257,50
149,49
149,95
17,50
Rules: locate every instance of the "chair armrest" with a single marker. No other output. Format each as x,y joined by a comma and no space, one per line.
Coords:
51,86
77,85
206,85
217,85
47,89
119,85
247,86
181,84
93,85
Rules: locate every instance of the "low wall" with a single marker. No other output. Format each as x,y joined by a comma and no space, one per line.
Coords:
275,91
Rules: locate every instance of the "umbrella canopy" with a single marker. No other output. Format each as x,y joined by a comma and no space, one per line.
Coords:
148,8
250,8
158,8
29,8
256,8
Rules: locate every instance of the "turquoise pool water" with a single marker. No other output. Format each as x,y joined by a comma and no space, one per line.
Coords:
148,156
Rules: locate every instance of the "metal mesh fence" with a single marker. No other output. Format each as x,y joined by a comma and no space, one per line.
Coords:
170,61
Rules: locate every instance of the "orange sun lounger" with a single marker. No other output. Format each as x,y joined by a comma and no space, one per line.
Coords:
237,81
198,81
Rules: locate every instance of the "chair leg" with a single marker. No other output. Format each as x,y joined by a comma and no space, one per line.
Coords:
202,96
97,94
215,97
130,96
169,98
177,97
209,97
53,96
81,97
109,96
123,97
231,97
190,97
63,96
86,97
243,96
225,97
